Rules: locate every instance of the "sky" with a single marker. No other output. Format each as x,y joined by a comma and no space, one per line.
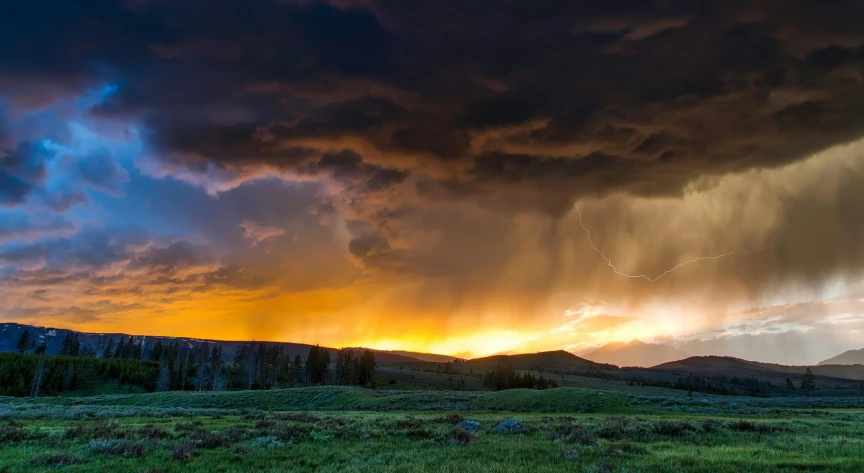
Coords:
411,175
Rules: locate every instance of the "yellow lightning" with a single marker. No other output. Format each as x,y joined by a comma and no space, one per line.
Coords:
656,278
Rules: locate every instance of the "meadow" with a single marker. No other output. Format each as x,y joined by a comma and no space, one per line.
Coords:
354,429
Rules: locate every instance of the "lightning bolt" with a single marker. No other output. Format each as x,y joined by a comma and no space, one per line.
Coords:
656,278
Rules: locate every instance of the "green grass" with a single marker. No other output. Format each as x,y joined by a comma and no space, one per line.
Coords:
347,398
353,430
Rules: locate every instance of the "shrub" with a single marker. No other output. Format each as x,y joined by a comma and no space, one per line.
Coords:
107,430
12,432
673,429
299,417
183,451
119,447
264,424
747,426
153,432
235,432
615,427
451,419
318,436
58,460
419,433
187,427
267,442
76,432
605,467
567,431
461,436
208,439
626,448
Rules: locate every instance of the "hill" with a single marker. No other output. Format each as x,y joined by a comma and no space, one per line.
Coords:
728,366
851,357
53,338
429,357
635,353
558,361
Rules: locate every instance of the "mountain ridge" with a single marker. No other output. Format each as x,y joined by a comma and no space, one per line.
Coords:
848,357
53,337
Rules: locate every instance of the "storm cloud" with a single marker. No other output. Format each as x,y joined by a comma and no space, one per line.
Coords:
428,155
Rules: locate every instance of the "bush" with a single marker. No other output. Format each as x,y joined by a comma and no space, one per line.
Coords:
747,426
605,467
77,432
12,432
317,436
419,433
208,439
673,429
267,442
234,433
626,448
451,419
153,432
187,427
58,460
616,427
567,431
107,430
119,447
461,436
299,417
264,424
183,451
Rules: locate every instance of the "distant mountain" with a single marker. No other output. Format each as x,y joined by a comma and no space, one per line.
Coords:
724,365
788,348
851,357
547,361
635,353
428,357
53,338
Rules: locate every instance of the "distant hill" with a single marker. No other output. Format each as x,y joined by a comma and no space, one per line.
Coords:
560,361
724,365
428,357
851,357
53,338
635,353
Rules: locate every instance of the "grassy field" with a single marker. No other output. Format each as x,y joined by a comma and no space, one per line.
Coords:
353,430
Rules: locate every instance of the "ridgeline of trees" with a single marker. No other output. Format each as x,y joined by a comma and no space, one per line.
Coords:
172,367
506,377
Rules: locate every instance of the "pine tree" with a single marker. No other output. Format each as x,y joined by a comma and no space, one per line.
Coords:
790,386
366,367
23,341
808,382
121,349
109,349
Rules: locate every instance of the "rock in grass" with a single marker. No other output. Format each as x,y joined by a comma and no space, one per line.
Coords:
571,455
470,425
510,427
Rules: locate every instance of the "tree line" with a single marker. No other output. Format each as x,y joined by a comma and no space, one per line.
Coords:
174,367
506,377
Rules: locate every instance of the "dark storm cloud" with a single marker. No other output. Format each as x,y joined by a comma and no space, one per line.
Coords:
520,106
21,171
